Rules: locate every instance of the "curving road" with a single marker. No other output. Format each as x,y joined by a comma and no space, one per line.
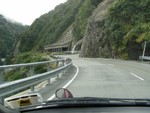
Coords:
100,77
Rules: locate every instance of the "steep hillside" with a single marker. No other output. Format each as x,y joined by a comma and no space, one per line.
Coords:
50,27
8,33
117,29
85,11
111,28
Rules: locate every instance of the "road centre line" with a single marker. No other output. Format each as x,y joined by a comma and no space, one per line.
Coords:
65,86
137,76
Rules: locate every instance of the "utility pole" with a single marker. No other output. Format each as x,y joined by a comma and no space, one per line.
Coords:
144,50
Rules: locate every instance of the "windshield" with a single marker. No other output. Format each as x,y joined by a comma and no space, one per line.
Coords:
93,48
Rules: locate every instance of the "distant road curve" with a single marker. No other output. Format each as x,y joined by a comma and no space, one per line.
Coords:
100,77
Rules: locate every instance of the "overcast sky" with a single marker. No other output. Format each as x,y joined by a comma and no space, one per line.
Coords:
26,11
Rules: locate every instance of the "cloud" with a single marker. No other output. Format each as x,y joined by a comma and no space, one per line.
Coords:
26,11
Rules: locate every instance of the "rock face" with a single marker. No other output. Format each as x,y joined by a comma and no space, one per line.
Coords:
66,36
93,39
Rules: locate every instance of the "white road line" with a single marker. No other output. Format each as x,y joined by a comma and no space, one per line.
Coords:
137,76
53,96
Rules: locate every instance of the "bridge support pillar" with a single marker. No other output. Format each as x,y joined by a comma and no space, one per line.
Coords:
60,49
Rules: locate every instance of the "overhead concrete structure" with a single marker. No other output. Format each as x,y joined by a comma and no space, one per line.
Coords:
77,46
59,47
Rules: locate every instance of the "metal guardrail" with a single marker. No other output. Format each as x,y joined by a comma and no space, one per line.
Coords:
10,88
31,65
72,52
144,57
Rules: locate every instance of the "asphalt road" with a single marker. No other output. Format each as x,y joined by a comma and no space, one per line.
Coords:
99,77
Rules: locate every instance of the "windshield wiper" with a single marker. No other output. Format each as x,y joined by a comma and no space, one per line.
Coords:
134,102
101,100
90,102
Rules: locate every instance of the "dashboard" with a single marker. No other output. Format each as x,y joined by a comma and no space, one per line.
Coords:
93,110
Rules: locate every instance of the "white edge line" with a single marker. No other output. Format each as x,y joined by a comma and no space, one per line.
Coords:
53,96
137,76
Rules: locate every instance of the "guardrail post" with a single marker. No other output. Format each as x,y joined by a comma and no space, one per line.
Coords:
31,70
63,63
64,72
32,89
58,64
48,68
49,81
1,76
2,100
59,75
144,50
14,87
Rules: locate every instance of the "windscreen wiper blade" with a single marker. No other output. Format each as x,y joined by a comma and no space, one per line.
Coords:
90,102
101,101
134,102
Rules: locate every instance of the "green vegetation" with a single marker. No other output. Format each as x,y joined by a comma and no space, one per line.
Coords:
23,72
29,57
45,30
50,27
127,27
8,35
82,16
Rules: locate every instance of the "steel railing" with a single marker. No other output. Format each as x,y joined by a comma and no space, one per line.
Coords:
144,57
10,88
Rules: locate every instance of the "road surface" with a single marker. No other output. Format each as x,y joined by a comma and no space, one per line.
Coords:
99,77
